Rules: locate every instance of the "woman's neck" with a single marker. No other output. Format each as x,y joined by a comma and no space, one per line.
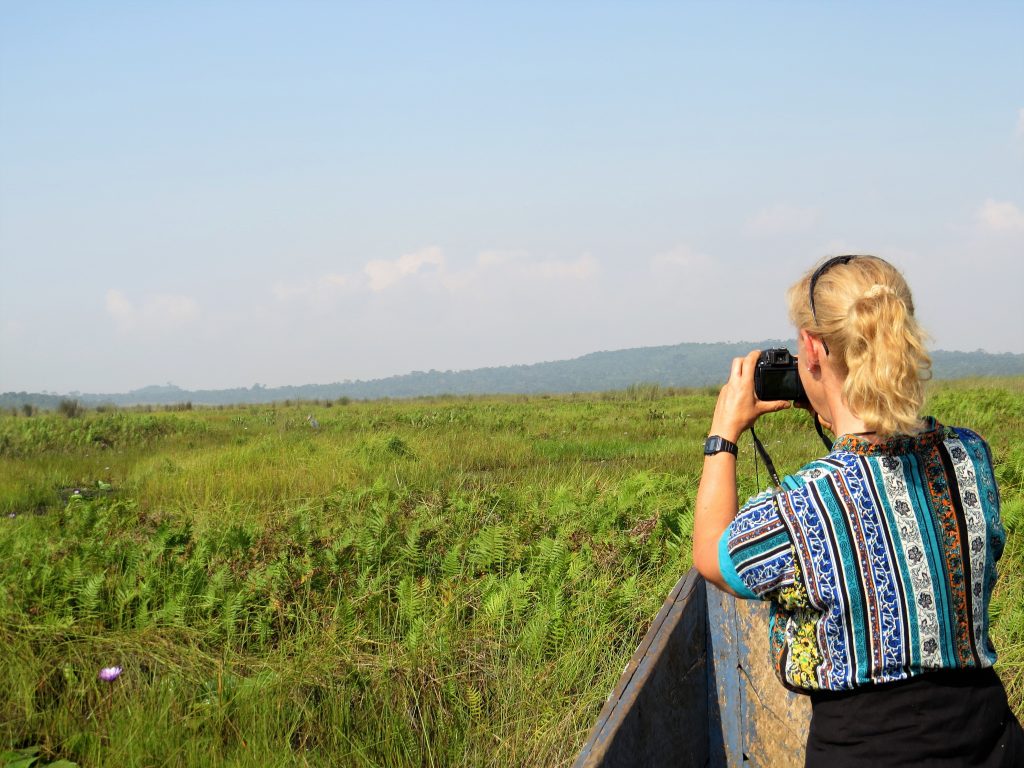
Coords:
844,421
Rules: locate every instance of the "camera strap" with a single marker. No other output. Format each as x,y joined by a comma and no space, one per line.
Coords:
766,459
770,465
821,433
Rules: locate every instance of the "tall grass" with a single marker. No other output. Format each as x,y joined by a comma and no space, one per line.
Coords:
435,582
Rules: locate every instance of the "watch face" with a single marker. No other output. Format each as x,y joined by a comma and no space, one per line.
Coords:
717,444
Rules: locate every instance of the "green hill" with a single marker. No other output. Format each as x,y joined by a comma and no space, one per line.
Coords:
677,365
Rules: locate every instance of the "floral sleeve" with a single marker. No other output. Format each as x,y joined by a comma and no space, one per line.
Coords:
755,553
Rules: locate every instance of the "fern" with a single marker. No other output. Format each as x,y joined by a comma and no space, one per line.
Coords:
557,629
489,547
552,559
451,564
343,617
409,599
1012,514
73,574
91,594
534,634
231,612
376,535
495,603
474,702
578,565
264,627
172,613
414,636
216,586
124,596
411,553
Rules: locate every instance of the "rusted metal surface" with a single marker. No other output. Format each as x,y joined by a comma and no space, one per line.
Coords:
700,691
762,723
658,713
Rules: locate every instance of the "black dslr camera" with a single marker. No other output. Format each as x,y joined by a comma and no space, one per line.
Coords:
776,377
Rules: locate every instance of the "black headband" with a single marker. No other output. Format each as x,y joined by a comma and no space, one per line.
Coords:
822,270
814,281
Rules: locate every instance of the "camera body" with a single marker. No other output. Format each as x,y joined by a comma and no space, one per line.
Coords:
776,376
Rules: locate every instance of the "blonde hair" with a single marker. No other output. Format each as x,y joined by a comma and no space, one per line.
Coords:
864,313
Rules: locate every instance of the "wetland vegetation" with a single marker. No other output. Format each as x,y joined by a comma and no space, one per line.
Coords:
440,581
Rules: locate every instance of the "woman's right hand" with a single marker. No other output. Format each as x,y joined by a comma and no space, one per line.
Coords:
738,407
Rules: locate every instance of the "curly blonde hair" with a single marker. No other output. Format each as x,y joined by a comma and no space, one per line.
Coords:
864,313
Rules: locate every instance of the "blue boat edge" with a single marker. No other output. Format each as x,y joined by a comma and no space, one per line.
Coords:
699,691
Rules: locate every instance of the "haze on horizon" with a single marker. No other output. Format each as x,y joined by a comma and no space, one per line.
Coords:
216,195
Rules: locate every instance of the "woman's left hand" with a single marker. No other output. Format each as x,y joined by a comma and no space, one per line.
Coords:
738,407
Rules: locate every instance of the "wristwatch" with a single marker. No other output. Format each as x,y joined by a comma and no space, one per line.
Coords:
715,444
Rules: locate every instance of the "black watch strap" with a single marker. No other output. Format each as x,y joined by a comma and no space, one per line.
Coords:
716,444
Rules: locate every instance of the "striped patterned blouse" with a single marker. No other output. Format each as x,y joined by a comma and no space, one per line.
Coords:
879,560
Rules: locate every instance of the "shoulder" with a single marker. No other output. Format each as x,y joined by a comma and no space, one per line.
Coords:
818,473
966,442
767,512
760,508
964,434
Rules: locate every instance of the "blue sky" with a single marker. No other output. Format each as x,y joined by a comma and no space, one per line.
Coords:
218,194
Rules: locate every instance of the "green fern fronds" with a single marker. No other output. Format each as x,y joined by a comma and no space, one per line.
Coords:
231,613
474,702
90,594
489,547
451,564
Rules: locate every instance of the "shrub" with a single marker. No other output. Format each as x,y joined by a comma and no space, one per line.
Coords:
70,408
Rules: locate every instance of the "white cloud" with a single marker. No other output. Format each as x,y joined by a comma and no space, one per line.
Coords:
337,281
118,306
383,273
505,266
998,216
158,313
442,287
494,258
583,268
683,258
376,275
498,270
781,220
519,264
285,291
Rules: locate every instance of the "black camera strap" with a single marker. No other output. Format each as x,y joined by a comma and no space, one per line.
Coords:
821,433
768,459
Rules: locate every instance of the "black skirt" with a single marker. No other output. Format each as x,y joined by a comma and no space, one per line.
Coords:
949,718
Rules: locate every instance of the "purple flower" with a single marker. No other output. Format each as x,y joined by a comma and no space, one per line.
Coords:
109,674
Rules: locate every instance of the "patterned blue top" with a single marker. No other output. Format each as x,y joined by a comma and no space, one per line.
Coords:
879,560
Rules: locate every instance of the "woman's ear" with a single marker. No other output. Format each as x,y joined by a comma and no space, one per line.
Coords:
813,350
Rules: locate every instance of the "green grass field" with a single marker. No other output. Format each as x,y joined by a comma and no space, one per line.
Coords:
450,581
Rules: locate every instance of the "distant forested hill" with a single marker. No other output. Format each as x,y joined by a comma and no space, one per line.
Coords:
679,365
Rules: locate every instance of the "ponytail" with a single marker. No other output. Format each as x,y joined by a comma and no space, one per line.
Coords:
865,313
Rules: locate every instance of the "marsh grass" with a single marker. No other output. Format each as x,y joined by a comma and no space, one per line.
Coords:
447,581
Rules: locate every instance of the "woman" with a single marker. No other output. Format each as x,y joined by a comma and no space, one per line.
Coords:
878,559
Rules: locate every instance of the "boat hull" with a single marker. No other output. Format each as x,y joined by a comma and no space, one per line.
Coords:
699,691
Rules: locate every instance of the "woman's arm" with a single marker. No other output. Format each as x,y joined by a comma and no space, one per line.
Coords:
736,411
716,507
